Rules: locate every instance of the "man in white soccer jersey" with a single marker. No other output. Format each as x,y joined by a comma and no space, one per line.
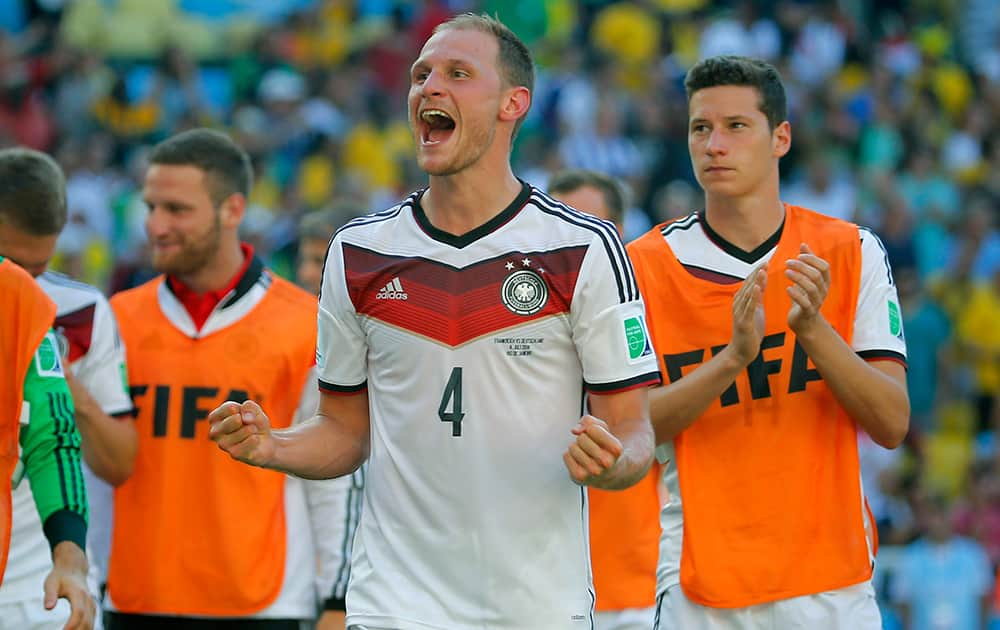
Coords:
458,334
34,200
780,333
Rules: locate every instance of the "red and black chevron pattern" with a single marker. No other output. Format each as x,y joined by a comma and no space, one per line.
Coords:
451,305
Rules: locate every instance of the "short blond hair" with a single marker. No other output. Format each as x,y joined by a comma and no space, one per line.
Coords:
513,58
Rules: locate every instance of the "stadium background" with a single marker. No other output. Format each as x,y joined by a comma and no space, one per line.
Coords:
894,108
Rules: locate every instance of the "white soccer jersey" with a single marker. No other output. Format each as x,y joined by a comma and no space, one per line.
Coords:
878,334
88,337
476,352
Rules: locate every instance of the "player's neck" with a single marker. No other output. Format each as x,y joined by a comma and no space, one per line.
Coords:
745,222
219,272
460,203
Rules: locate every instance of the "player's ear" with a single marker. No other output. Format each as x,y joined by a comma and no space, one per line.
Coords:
781,139
515,103
232,210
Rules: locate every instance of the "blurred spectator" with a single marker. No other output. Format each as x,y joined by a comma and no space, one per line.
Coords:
24,114
127,118
575,84
605,148
948,452
896,231
979,238
627,32
881,144
741,31
928,193
820,45
977,331
977,515
391,53
282,93
375,149
927,328
90,185
943,581
315,231
674,201
881,478
177,89
822,189
894,494
246,67
85,80
962,153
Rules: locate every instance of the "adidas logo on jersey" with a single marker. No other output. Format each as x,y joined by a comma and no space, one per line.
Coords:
392,291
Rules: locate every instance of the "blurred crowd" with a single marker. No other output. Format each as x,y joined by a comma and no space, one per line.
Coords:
895,108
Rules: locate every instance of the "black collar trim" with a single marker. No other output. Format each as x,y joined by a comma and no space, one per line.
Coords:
736,252
477,233
249,279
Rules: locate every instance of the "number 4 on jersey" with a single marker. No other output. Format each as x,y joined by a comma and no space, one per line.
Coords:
452,397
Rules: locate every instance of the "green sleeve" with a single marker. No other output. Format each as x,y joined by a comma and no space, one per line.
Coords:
50,448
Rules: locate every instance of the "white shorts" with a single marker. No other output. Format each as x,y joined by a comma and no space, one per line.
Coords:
850,608
31,615
628,619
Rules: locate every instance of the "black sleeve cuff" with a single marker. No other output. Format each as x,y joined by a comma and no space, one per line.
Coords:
65,525
643,380
330,388
883,355
335,603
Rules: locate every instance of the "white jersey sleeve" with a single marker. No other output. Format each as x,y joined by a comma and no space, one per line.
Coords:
608,320
89,338
335,509
309,401
102,369
339,332
878,322
334,506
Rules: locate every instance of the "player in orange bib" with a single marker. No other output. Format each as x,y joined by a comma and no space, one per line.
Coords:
200,542
38,439
624,525
779,335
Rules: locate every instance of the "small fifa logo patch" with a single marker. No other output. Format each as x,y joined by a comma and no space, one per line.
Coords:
895,320
637,339
47,360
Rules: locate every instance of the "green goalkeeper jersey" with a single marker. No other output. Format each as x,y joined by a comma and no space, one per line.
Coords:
50,448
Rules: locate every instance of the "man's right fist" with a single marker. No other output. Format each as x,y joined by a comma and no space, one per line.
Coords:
243,431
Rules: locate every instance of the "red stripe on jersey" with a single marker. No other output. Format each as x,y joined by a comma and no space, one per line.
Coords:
712,276
77,328
454,305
